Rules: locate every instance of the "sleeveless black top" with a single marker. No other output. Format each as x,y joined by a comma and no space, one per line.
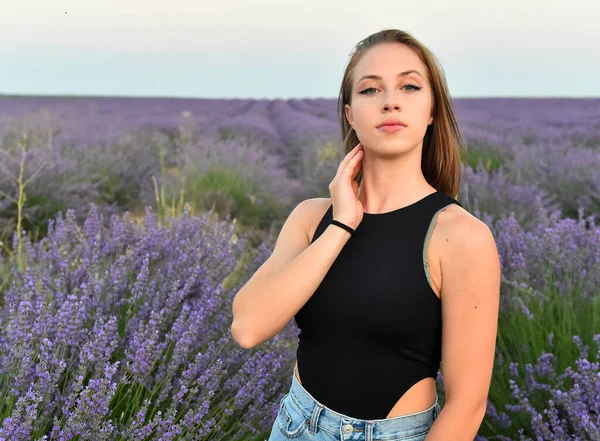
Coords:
373,327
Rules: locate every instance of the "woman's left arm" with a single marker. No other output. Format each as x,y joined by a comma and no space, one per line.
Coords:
470,295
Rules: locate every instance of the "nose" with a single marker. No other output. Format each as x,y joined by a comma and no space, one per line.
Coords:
387,106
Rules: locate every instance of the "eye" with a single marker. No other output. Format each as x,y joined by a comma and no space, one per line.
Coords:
364,92
414,87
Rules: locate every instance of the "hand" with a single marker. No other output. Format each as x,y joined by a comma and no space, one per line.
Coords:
344,189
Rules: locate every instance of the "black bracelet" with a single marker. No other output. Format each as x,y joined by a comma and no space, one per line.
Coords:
345,227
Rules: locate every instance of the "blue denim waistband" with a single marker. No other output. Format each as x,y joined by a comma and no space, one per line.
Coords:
320,416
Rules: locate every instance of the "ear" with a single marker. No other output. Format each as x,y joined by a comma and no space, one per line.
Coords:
431,117
348,112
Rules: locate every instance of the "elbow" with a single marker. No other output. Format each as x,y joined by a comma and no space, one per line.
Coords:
238,332
244,339
474,413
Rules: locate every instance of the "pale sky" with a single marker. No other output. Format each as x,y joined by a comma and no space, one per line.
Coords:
290,48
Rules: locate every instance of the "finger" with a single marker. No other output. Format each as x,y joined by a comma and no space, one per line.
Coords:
348,157
351,167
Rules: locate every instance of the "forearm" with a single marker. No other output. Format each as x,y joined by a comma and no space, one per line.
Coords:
456,423
265,305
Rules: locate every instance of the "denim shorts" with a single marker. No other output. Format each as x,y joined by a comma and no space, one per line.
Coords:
303,418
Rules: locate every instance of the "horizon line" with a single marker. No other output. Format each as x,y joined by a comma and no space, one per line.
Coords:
25,95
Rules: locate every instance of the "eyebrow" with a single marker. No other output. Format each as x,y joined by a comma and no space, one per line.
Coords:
401,74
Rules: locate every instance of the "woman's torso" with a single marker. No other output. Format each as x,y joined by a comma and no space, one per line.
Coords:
423,393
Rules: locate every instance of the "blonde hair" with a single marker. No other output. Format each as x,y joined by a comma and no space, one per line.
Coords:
443,148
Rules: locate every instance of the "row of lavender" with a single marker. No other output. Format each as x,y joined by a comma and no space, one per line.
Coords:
108,150
121,331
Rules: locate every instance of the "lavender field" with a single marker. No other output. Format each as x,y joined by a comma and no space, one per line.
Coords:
127,226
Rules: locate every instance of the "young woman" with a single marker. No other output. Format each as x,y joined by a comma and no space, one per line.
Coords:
388,277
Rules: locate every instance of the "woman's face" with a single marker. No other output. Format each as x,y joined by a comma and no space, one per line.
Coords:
405,97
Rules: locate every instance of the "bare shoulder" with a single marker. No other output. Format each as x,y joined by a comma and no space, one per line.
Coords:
314,211
293,238
459,232
455,224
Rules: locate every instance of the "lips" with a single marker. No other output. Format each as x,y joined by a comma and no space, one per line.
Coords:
392,127
392,122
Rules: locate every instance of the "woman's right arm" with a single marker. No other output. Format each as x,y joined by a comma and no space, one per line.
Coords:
287,279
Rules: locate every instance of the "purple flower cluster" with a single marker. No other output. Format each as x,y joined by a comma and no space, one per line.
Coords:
123,333
561,407
557,254
496,195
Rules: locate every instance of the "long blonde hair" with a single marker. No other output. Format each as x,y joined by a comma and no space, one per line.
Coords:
443,148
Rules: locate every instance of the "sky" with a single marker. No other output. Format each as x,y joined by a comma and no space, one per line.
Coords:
290,48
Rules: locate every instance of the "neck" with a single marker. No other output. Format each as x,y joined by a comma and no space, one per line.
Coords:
391,183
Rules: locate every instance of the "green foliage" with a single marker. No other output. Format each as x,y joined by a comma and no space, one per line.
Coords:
225,191
523,338
226,134
529,139
481,150
36,226
111,189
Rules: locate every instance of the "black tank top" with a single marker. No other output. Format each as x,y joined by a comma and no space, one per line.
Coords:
373,327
